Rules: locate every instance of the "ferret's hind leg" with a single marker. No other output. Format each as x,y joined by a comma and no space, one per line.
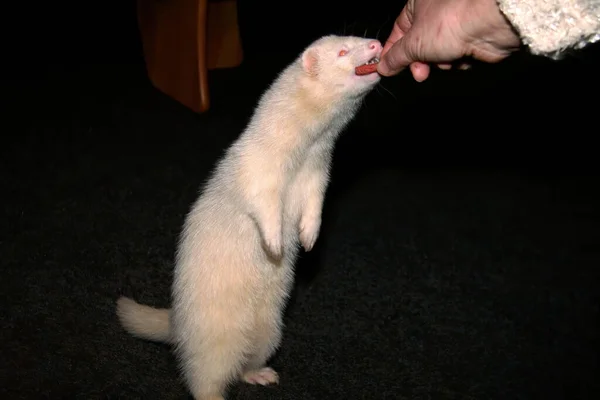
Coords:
268,339
212,366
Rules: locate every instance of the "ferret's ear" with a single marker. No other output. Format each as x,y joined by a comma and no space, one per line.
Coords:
310,61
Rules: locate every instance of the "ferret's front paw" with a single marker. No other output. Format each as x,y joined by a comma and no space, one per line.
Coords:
273,244
309,232
264,376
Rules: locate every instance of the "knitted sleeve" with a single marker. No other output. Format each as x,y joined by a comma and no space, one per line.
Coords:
549,27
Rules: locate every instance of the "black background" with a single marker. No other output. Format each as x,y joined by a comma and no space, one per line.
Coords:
458,257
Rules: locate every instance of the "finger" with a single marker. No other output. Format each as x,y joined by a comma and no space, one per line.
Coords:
397,58
396,35
386,48
420,71
444,66
400,28
464,66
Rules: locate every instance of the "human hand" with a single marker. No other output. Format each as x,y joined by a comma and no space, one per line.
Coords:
442,32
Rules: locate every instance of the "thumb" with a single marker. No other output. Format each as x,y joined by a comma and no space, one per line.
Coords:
398,57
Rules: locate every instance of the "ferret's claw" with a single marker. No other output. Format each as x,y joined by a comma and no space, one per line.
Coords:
309,231
274,247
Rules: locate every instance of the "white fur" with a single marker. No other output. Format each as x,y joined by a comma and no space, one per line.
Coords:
234,265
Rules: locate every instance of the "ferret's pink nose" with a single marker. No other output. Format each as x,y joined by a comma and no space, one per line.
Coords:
375,45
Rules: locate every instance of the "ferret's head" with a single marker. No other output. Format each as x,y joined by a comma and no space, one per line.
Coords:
331,61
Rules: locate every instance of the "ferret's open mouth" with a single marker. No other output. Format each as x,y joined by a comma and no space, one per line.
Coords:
373,60
368,68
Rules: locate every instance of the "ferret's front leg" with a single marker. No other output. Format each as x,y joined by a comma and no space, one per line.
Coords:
312,184
310,222
264,195
268,216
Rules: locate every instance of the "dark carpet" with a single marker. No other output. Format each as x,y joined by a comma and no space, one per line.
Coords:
458,257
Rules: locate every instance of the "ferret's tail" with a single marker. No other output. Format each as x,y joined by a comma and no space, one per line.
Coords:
143,321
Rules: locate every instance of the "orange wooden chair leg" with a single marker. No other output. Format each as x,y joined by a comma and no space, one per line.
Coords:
224,44
182,39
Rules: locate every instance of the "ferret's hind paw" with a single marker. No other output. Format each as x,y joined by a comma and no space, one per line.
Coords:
264,376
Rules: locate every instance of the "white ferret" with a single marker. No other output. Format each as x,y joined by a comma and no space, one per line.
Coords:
235,262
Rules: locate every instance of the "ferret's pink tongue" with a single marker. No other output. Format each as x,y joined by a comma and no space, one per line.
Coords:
366,69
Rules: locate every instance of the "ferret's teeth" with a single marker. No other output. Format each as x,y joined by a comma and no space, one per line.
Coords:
373,60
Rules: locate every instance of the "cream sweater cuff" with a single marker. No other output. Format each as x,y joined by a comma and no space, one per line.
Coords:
550,27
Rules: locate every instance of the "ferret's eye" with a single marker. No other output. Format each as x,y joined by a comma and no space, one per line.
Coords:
342,53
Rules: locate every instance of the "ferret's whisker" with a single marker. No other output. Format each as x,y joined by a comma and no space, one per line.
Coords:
381,26
353,25
387,90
